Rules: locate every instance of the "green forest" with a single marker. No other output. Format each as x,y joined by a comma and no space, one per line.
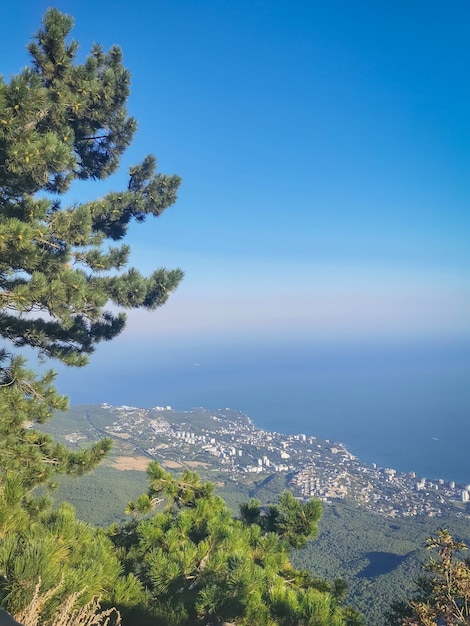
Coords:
77,548
378,558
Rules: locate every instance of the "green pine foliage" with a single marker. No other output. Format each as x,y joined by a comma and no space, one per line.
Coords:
60,122
201,565
63,267
55,549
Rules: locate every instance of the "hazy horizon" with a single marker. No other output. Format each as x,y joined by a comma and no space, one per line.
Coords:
324,151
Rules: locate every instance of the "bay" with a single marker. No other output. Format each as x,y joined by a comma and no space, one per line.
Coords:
402,405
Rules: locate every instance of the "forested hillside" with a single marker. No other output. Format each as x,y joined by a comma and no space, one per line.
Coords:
379,558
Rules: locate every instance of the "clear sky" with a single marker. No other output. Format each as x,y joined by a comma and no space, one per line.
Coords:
325,154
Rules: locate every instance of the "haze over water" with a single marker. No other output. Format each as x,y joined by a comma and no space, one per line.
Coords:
405,406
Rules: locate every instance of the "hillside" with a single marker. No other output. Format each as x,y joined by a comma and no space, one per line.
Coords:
377,553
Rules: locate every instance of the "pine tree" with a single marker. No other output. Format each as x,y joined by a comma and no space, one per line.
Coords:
61,122
443,593
54,557
200,565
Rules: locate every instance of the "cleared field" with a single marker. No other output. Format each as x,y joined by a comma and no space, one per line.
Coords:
139,463
172,464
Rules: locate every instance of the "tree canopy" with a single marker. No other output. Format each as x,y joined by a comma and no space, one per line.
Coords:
64,275
201,565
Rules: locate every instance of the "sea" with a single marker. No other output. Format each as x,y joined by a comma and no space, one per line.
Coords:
398,404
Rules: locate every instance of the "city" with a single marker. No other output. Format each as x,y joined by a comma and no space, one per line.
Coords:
227,442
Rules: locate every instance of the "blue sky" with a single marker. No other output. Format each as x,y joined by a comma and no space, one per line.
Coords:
325,154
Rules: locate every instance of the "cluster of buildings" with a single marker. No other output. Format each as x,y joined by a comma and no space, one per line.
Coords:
227,441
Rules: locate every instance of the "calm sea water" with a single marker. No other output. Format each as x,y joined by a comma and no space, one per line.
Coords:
405,406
